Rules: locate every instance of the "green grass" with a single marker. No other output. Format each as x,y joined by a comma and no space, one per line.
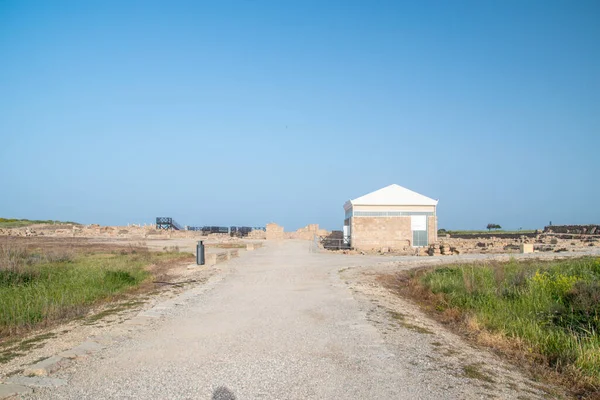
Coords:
36,290
553,308
19,223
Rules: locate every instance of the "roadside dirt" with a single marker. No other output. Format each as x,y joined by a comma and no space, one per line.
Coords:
169,280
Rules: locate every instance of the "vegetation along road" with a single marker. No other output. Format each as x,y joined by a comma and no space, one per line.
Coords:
289,322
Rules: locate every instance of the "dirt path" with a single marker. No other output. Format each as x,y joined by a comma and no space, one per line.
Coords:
284,322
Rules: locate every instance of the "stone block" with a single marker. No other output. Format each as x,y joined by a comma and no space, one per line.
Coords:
526,248
82,350
9,390
44,367
37,381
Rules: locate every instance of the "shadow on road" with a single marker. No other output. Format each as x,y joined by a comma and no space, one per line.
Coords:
222,393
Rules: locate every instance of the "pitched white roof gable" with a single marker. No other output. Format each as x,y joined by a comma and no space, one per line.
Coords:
394,195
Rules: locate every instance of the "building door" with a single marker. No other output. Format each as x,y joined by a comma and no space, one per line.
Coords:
418,225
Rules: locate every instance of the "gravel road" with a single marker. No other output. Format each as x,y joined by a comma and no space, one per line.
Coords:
283,322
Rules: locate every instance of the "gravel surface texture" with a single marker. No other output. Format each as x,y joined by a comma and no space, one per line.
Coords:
288,322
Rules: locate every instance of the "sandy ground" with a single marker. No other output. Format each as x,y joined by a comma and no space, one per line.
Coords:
289,322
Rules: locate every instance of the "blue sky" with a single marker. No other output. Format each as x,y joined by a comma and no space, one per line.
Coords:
248,112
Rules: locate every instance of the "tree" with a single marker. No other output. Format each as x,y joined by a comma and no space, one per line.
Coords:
493,226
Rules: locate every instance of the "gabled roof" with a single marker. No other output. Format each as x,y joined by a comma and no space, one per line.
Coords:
393,195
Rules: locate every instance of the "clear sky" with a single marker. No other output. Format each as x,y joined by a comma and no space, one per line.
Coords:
248,112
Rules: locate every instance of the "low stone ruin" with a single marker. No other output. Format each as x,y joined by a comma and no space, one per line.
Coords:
573,229
276,232
542,242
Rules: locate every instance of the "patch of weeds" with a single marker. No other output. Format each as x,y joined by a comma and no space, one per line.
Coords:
38,360
103,314
15,372
9,342
450,353
112,311
7,356
417,328
473,371
396,315
400,318
131,304
543,389
34,342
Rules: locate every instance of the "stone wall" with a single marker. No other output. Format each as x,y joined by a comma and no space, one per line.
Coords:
275,232
257,234
309,232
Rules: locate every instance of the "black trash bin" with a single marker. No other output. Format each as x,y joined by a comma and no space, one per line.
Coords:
200,253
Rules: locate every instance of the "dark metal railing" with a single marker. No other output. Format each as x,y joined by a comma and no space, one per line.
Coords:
167,223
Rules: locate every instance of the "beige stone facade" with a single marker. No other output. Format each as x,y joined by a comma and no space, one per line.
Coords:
371,233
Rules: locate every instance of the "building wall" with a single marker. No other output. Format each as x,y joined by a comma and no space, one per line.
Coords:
432,229
373,233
